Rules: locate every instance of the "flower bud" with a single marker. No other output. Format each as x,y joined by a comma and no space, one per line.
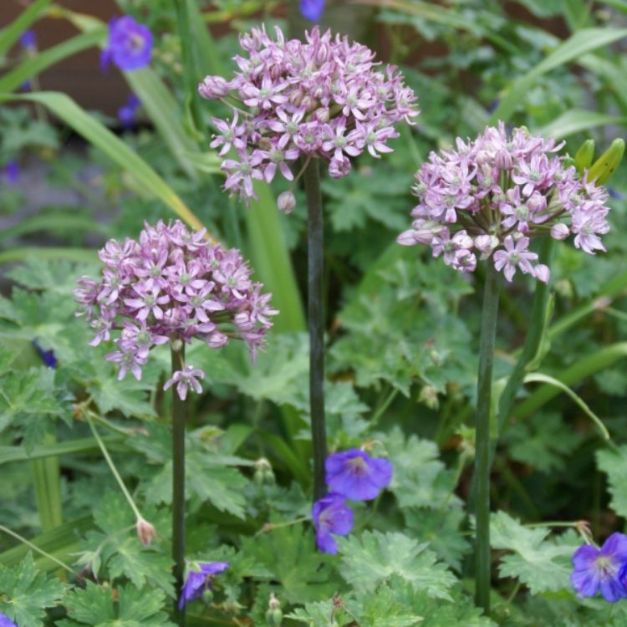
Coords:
286,202
214,87
264,474
145,532
542,273
207,596
429,397
559,231
485,244
274,615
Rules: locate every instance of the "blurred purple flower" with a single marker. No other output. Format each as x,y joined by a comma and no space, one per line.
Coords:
601,570
331,516
12,173
357,476
186,379
5,621
129,46
197,581
28,40
126,113
312,10
47,356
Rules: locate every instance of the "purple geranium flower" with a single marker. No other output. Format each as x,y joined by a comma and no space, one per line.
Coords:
330,516
199,579
357,476
597,569
5,621
28,40
127,112
129,45
312,10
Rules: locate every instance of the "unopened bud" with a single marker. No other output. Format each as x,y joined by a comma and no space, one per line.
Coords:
207,596
429,397
274,615
286,202
263,472
559,231
145,531
214,87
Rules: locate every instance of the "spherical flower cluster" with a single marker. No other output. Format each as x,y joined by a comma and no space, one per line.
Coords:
601,570
353,475
489,197
324,97
129,45
199,578
172,285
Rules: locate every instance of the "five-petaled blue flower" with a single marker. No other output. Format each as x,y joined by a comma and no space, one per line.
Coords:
199,579
126,113
28,40
5,621
129,45
597,569
331,516
356,475
312,10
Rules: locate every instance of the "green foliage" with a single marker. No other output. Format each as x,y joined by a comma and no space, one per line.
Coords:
25,593
614,464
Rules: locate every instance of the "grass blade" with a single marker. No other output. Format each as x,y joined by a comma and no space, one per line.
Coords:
11,33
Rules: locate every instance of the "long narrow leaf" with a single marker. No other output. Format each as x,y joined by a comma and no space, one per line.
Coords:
576,121
38,63
580,43
101,137
10,34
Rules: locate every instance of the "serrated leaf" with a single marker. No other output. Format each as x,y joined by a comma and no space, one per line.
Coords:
614,464
25,593
541,563
374,557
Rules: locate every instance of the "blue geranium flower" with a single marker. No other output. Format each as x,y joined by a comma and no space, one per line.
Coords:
28,40
12,173
199,579
312,10
5,621
331,516
48,357
356,475
601,570
129,46
126,113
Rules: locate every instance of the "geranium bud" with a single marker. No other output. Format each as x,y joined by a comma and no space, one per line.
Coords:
286,202
207,596
145,532
429,396
264,474
274,615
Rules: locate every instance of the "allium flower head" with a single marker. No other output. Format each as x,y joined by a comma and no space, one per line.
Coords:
490,197
331,516
601,570
323,97
199,579
5,621
129,45
357,476
172,285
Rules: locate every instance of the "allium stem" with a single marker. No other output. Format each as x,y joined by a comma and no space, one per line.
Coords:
482,438
315,309
179,416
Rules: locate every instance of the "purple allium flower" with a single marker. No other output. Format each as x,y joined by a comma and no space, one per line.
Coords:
312,10
172,285
12,173
129,46
492,196
357,476
28,40
5,621
599,570
199,579
186,379
127,112
325,97
331,516
47,356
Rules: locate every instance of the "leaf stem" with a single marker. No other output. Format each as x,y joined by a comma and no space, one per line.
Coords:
179,416
315,305
482,438
35,548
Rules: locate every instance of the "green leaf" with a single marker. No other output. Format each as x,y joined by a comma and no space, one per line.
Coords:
374,557
101,606
11,33
576,121
614,464
25,593
583,41
541,564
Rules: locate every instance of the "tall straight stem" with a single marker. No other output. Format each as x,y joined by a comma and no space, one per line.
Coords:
315,310
179,417
482,438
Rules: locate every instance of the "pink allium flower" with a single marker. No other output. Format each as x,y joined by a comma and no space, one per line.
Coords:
325,97
172,285
491,196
